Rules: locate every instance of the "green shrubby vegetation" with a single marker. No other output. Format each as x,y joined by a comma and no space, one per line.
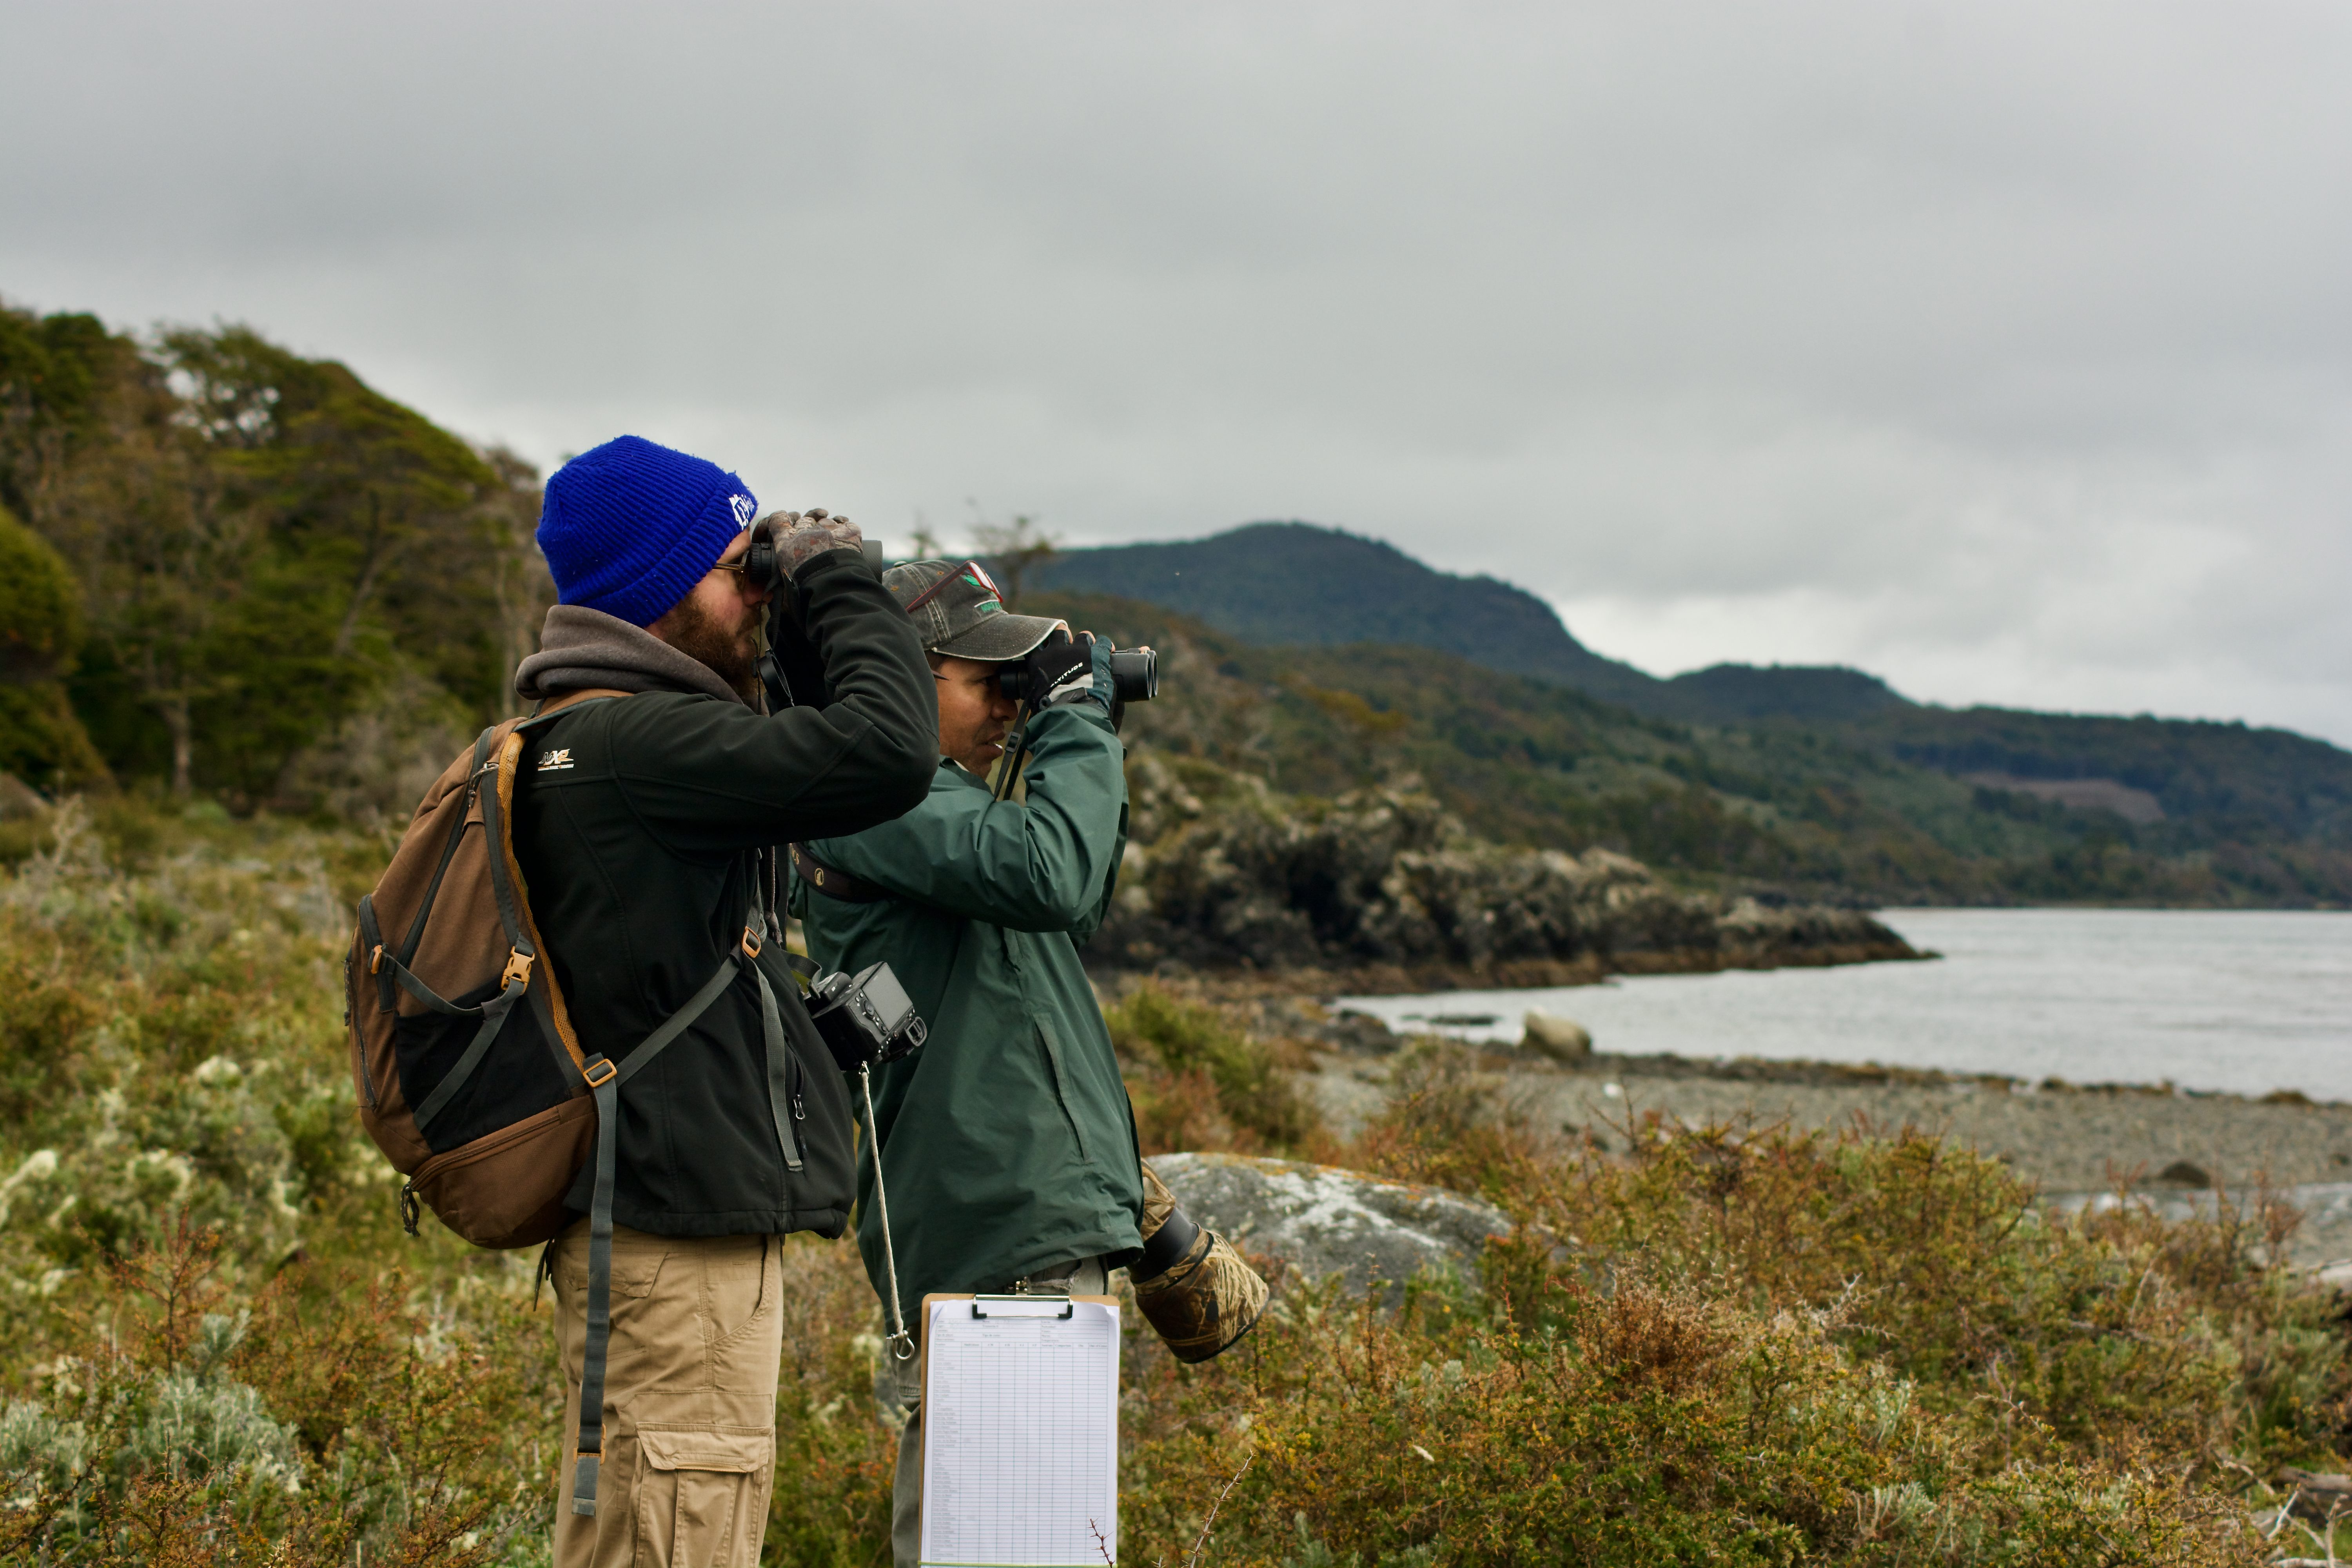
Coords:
1761,1347
286,589
1197,1081
216,1348
41,628
1735,1345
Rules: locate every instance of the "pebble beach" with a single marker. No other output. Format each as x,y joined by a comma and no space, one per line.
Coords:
2071,1142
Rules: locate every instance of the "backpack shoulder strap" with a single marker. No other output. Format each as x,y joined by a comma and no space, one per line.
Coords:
604,1077
514,894
551,706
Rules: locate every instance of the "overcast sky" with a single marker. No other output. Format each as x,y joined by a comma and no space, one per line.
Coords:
2003,350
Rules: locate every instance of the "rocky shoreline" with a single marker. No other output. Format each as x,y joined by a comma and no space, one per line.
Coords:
2173,1147
1382,890
1249,985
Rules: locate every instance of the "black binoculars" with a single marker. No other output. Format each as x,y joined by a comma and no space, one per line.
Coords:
1134,677
760,562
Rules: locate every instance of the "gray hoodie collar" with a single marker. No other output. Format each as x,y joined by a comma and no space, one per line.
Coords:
580,647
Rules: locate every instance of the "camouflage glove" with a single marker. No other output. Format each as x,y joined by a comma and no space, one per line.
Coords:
1191,1285
801,536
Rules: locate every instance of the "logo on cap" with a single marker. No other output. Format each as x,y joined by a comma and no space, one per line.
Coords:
744,506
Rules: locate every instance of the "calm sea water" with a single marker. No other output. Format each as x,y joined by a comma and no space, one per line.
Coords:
2243,1001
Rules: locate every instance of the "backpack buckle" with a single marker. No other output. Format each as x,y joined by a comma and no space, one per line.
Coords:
751,942
375,959
610,1072
518,969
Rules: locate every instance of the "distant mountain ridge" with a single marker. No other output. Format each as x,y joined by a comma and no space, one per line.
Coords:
1913,804
1842,772
1290,583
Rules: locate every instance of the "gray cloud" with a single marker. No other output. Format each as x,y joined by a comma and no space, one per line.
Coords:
2001,349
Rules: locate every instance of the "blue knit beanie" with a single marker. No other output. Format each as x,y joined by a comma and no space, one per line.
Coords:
630,527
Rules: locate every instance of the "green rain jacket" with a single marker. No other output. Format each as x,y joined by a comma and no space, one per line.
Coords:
1007,1141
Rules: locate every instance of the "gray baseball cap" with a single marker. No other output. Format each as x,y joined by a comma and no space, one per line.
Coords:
959,611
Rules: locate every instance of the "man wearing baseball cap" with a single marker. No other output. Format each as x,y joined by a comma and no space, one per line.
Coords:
645,820
1007,1141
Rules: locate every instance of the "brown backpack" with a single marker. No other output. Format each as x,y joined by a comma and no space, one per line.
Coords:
470,1078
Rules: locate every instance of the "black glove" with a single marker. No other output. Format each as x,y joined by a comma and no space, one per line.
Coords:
1062,670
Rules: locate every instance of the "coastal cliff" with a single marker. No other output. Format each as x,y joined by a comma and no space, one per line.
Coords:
1386,885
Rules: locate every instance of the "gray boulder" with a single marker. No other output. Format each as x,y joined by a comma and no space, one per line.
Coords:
1562,1039
1322,1220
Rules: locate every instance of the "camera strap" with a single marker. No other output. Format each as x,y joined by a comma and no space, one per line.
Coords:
901,1342
1009,765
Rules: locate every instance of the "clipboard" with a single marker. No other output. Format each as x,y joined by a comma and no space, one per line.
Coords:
1020,1460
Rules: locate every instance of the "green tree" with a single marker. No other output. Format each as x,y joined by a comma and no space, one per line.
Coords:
54,373
375,558
274,555
40,630
121,484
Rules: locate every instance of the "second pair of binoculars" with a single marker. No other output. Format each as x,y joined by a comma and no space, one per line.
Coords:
1134,676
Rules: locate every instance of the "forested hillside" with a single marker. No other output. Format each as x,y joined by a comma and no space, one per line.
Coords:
1293,583
1779,807
269,582
231,573
1292,586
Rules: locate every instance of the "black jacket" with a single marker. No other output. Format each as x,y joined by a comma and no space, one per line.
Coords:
638,824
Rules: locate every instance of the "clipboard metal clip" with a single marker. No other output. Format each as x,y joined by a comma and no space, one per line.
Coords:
1070,1307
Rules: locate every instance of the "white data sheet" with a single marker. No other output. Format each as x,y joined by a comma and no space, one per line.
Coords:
1019,1433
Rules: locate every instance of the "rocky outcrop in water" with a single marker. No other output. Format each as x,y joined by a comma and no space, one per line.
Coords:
1387,877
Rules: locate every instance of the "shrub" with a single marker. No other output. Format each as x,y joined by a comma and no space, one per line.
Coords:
1651,1424
327,1417
1737,1344
1205,1081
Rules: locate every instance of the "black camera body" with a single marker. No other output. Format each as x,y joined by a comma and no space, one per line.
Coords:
866,1019
1134,677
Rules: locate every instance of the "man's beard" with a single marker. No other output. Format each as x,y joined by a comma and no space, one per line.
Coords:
730,654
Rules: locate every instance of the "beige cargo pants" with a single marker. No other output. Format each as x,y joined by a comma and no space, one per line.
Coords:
689,1400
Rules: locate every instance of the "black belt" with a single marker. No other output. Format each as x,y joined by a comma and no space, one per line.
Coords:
835,884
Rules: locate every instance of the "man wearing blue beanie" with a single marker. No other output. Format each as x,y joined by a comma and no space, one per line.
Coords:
645,822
